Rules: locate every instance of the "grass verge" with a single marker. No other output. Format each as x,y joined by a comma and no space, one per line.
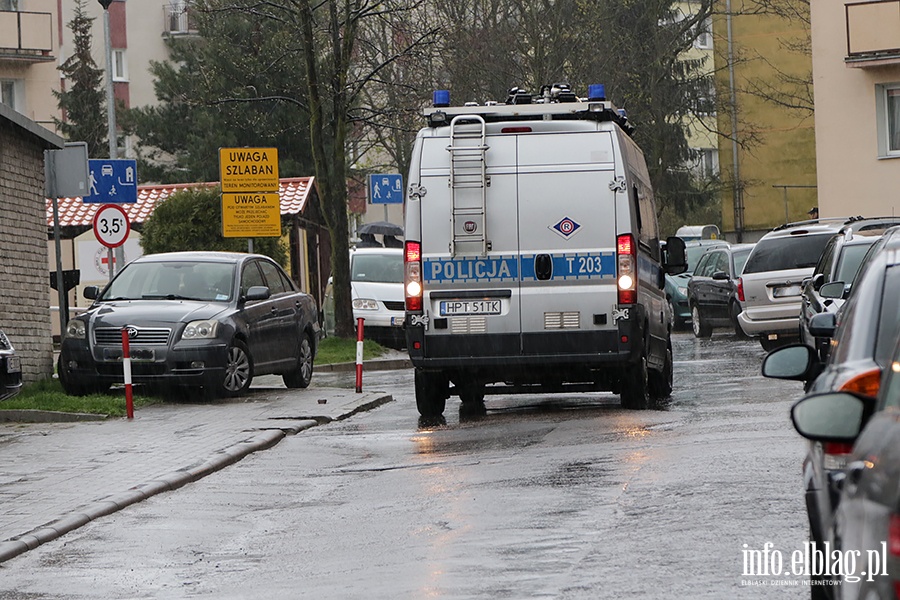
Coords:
49,395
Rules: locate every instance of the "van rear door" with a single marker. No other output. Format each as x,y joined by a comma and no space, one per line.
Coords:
567,238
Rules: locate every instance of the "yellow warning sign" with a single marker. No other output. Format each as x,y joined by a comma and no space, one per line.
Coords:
251,215
248,169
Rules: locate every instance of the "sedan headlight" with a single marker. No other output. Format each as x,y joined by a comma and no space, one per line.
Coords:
76,330
365,304
682,291
200,330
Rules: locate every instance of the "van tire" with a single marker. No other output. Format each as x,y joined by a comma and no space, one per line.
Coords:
635,387
661,381
431,393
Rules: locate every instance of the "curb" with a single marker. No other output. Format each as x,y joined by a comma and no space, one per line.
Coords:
263,440
372,365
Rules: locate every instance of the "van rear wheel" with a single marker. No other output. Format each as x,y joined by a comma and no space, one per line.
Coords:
661,381
431,393
635,392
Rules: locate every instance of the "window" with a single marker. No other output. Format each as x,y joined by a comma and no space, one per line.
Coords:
120,66
704,39
8,93
887,117
12,5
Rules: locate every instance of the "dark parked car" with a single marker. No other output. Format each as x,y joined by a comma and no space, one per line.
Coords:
10,369
865,333
714,293
676,285
208,319
867,518
840,261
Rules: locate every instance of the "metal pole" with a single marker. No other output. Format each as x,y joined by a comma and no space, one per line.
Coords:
110,89
737,199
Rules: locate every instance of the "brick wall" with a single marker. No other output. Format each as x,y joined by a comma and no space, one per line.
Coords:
23,251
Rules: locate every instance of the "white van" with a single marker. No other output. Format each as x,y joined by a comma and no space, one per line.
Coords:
532,255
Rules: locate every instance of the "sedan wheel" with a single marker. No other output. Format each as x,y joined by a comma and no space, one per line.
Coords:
238,372
701,328
302,375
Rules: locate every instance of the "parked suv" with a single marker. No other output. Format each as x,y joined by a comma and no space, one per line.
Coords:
840,261
775,272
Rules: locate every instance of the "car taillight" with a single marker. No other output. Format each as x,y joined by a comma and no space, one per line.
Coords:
894,536
626,261
412,280
835,455
740,290
866,383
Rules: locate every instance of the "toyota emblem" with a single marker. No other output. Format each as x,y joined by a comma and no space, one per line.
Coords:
132,332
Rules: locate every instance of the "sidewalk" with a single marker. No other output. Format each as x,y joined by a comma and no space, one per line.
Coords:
57,477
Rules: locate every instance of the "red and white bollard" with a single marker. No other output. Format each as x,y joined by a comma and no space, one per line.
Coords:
359,354
126,366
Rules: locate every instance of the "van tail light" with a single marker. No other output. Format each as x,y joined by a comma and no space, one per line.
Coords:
626,264
894,537
412,278
740,290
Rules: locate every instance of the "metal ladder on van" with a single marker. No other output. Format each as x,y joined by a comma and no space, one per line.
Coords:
468,182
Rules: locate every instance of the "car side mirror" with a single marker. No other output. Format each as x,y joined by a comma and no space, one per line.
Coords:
832,417
675,256
817,281
795,362
91,292
823,324
835,289
720,276
257,292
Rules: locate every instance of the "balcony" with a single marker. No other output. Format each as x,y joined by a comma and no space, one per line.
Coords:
26,36
178,19
873,33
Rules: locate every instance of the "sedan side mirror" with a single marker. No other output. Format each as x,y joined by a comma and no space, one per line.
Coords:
834,289
832,417
795,362
257,292
823,324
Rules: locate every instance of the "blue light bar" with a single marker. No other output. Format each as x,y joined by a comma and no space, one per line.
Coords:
441,98
596,91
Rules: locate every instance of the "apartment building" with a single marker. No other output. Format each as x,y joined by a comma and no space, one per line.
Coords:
35,39
856,72
767,148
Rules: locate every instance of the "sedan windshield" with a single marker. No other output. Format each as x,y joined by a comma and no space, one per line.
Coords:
173,280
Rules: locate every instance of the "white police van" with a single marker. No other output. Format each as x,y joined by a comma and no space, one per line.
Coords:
532,255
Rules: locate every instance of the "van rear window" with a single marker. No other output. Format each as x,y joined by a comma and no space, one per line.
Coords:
785,253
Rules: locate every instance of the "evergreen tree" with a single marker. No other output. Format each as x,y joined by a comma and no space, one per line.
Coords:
83,102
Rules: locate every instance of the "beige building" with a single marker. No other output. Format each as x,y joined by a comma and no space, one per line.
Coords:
856,74
35,40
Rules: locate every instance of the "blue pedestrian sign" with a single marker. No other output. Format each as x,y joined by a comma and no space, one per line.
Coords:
112,181
386,188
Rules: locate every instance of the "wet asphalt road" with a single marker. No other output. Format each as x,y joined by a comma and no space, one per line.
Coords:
544,497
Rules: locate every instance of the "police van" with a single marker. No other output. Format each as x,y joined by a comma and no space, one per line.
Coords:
532,257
